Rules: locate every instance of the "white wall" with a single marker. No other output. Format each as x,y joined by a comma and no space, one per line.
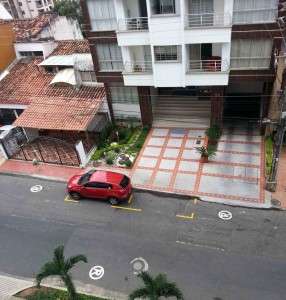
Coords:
47,48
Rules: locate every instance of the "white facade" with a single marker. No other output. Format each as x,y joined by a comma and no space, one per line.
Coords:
181,29
20,9
46,48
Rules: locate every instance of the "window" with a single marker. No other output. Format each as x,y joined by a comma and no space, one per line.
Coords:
102,14
85,177
31,53
250,54
255,11
163,53
88,76
124,94
109,57
50,70
124,182
160,7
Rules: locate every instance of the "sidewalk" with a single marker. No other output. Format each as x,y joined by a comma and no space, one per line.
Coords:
280,193
10,286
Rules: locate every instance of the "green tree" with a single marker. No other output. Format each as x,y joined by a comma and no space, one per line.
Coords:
156,287
61,267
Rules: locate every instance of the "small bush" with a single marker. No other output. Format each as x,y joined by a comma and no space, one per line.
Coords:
117,150
111,155
128,163
109,160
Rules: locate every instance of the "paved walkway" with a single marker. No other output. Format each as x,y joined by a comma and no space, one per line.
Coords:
10,286
280,193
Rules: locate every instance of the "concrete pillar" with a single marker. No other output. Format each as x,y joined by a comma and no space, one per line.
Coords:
145,105
217,105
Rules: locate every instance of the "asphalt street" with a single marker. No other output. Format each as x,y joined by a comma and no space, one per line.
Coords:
209,258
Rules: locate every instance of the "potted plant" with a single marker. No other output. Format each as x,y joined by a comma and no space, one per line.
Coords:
214,133
137,68
206,153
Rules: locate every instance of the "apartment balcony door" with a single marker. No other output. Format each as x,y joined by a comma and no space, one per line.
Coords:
201,6
143,9
200,52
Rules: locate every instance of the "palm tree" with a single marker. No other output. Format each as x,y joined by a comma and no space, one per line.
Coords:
60,266
156,287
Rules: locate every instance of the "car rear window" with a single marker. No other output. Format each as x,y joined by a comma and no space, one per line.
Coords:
85,177
124,182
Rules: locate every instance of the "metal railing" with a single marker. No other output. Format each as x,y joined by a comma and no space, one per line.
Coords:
250,62
210,65
208,19
138,67
136,23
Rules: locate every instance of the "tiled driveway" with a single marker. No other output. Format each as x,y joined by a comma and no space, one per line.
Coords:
169,162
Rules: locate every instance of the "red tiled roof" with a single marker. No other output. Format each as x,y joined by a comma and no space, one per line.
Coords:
28,84
31,27
71,47
56,113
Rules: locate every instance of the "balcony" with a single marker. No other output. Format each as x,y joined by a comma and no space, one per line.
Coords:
137,23
213,64
208,20
138,67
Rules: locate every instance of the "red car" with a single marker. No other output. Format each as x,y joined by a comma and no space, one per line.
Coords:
111,186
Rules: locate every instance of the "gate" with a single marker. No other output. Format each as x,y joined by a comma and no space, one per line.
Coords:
43,149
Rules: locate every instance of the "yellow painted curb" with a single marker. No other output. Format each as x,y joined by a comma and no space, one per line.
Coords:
126,208
69,200
186,217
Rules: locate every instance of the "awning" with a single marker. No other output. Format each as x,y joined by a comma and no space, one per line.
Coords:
59,60
65,76
59,113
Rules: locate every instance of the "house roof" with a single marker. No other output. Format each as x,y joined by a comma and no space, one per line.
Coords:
28,84
58,60
59,113
31,27
72,47
65,76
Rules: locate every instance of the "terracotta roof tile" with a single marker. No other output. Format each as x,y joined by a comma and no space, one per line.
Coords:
71,47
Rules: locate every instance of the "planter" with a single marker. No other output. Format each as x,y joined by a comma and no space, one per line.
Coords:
204,159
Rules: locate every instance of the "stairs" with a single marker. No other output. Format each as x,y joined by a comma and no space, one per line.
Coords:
182,112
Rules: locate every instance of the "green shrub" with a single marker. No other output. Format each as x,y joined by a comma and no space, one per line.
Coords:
117,150
128,163
214,133
269,154
109,160
111,154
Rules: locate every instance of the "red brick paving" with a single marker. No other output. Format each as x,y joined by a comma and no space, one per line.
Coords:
23,167
280,193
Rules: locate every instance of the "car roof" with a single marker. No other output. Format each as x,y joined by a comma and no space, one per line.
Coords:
106,176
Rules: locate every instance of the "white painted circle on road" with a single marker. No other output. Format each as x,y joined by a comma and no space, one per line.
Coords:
225,215
36,188
139,264
96,272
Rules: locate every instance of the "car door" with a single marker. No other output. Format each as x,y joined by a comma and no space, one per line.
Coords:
96,190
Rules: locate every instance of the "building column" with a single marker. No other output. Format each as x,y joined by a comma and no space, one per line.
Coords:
268,91
217,105
145,105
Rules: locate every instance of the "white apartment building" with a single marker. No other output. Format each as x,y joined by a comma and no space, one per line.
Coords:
185,62
20,9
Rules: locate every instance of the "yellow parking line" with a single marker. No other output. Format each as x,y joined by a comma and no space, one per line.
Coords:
68,200
195,201
130,198
126,208
186,217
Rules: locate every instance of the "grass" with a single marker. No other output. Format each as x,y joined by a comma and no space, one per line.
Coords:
139,142
54,294
269,154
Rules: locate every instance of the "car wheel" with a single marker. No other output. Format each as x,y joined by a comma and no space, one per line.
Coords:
113,201
75,195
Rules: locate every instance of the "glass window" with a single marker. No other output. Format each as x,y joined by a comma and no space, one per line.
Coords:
102,14
124,94
255,11
163,53
88,76
250,54
160,7
109,57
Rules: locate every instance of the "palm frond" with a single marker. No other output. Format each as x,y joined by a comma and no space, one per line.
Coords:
170,289
48,269
68,281
148,281
59,257
73,260
141,293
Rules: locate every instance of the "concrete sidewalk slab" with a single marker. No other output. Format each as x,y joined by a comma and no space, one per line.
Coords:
10,286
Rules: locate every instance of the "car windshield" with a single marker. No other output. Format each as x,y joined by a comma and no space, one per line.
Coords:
124,182
85,177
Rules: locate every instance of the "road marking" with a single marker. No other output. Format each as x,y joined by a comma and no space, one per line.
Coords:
126,208
139,264
69,200
204,246
36,188
130,198
225,215
186,217
96,272
195,201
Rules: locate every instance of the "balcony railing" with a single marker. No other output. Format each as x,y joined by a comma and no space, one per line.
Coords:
138,67
210,65
208,19
136,23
